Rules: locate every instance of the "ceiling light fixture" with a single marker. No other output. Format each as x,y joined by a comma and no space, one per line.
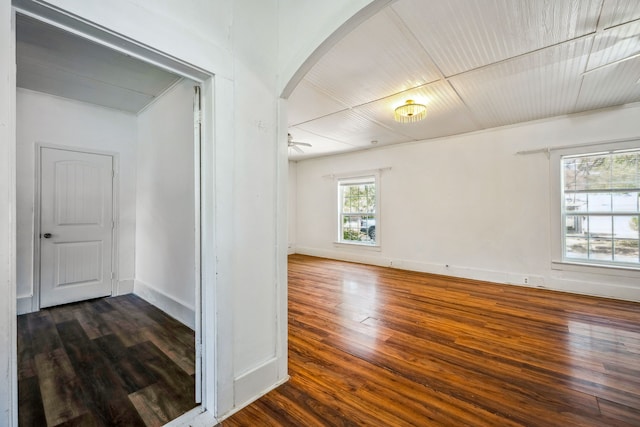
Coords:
410,112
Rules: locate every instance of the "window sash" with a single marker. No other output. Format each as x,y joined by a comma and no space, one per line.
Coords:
600,247
343,214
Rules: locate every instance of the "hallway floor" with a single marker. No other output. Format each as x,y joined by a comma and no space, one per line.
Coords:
107,362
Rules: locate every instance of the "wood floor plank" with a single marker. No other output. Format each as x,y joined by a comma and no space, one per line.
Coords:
103,389
80,364
59,387
381,346
132,373
155,405
30,408
85,420
89,318
26,367
44,336
179,386
181,355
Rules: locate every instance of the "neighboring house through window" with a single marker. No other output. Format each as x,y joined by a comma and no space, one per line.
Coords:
357,210
600,205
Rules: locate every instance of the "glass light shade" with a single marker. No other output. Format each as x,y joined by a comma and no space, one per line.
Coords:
410,112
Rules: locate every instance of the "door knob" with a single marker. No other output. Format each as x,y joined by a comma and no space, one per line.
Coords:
47,235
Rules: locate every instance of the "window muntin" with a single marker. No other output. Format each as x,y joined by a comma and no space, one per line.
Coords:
357,200
601,207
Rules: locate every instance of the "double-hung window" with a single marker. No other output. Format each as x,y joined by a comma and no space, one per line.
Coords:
600,207
357,210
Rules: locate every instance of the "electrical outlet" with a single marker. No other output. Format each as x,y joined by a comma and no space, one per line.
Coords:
525,280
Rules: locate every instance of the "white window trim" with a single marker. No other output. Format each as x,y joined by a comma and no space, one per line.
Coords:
365,177
558,262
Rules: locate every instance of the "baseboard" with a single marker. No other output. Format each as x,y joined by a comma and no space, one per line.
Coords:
347,254
170,305
254,384
197,417
591,286
24,305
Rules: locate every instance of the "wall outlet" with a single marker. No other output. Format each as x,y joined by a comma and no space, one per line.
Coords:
525,280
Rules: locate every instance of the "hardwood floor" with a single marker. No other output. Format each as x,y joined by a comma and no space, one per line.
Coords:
108,362
382,347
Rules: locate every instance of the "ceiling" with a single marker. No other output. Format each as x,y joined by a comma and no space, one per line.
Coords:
59,63
474,64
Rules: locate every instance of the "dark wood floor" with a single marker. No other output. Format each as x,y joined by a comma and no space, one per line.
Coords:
108,362
382,347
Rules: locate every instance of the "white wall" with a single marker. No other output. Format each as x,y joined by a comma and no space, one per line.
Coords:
49,120
465,201
8,367
292,207
242,44
165,217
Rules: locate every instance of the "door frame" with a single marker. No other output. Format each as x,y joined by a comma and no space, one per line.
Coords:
115,212
207,301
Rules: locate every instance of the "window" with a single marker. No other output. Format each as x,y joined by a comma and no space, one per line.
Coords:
357,201
600,207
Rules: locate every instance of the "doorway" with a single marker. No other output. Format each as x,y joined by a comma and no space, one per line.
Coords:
125,284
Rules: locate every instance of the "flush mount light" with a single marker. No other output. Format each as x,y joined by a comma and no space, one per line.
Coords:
410,112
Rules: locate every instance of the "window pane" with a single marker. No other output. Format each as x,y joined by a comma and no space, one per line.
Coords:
625,202
576,226
601,248
625,173
600,226
625,227
626,250
597,170
576,247
571,175
368,228
575,202
576,236
601,237
599,202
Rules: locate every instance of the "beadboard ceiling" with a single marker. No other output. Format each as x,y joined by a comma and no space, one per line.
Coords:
475,64
59,63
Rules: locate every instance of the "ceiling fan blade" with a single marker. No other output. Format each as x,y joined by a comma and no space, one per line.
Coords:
306,144
297,149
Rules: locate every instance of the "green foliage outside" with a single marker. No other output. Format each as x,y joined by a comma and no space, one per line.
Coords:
602,172
359,198
351,234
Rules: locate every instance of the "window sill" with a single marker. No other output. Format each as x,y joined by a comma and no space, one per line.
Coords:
365,246
607,270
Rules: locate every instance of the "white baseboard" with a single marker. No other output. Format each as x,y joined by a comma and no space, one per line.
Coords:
254,384
24,305
197,417
593,285
347,254
170,305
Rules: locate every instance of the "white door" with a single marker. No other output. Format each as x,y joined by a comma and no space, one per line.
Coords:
76,223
